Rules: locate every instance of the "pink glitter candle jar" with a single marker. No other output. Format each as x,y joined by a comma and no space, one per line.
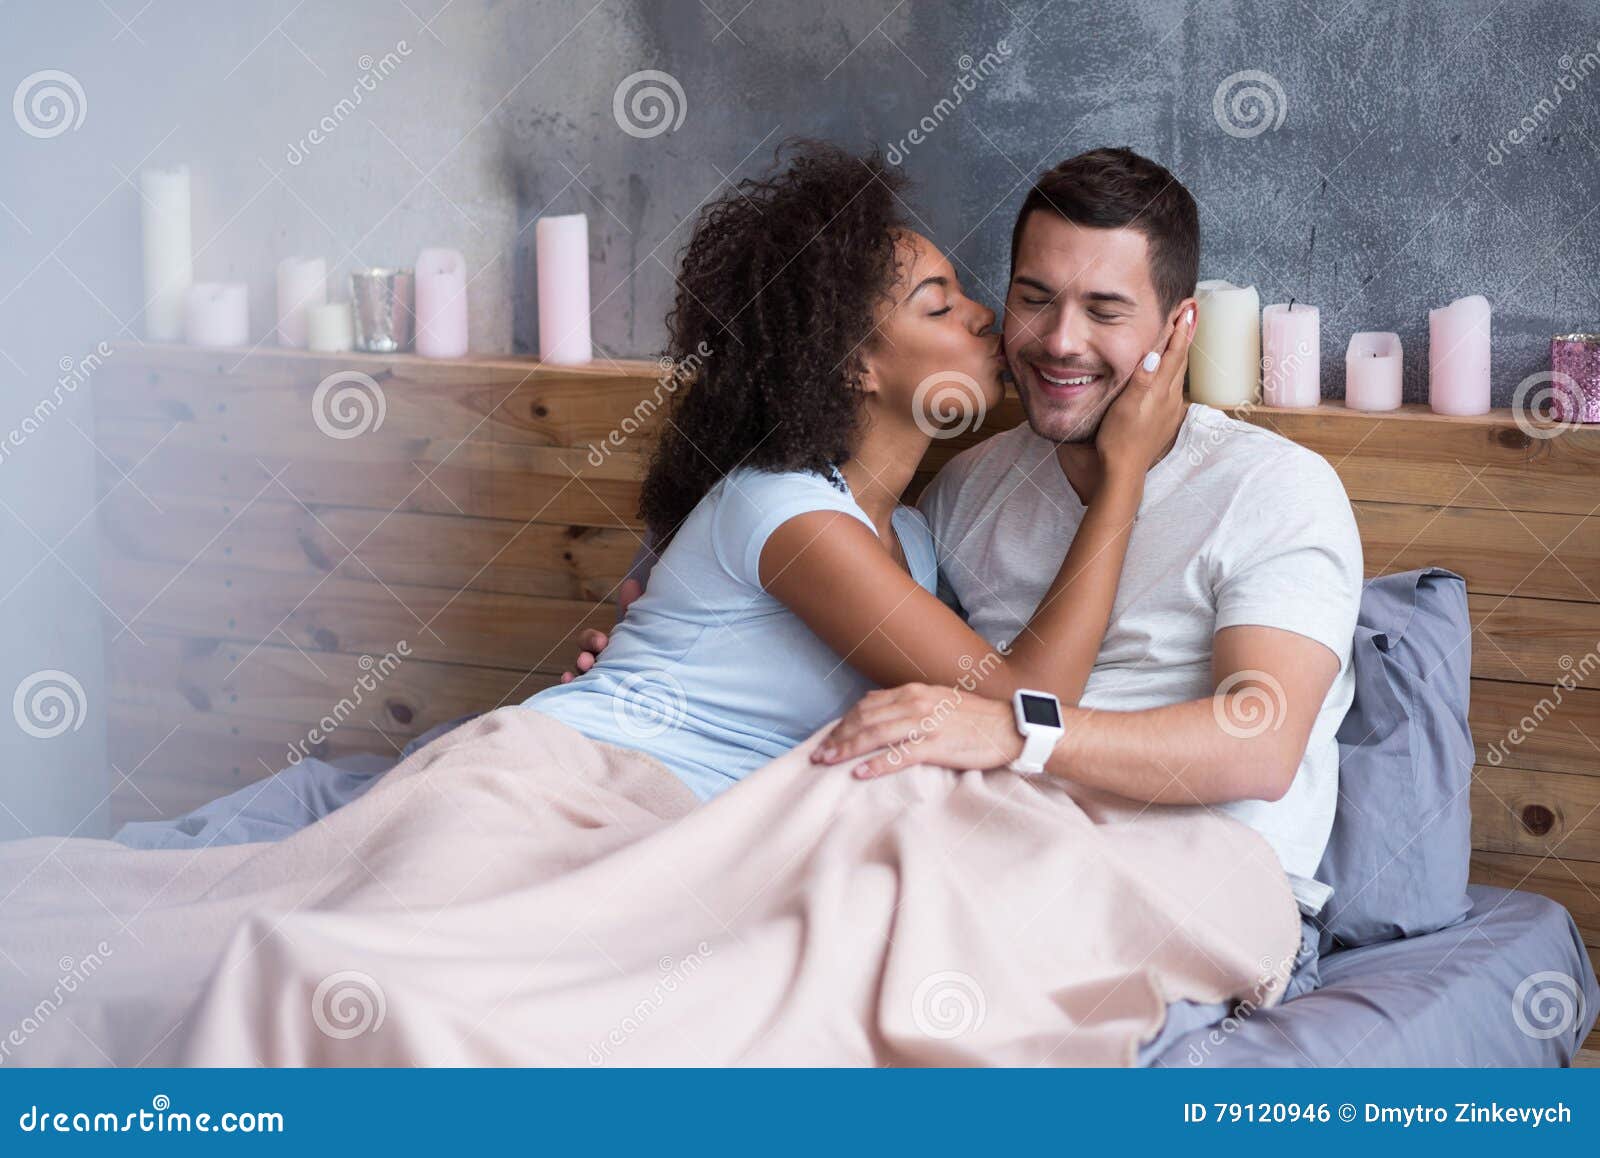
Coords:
1575,367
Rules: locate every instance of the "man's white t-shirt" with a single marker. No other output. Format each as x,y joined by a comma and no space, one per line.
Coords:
1238,526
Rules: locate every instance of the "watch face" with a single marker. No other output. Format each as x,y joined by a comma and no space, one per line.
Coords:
1040,710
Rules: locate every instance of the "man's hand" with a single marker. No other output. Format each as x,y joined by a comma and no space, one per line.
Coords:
591,643
920,724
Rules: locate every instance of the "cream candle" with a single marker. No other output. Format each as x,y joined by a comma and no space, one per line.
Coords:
1458,357
1225,358
1372,367
1291,346
330,328
302,283
442,304
168,250
217,314
563,276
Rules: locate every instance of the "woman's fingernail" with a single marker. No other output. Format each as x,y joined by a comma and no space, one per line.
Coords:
1151,361
826,755
1188,316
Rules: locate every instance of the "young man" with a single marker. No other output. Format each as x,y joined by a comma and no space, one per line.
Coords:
1225,670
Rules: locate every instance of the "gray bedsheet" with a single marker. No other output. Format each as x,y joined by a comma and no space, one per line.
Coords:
1511,985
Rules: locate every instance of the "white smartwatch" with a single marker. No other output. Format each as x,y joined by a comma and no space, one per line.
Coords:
1039,720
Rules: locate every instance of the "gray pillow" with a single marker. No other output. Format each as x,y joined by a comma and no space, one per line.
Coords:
1398,854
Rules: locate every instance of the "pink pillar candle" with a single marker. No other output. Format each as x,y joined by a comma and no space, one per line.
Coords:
1575,368
441,304
302,285
1458,357
1372,372
217,313
1291,355
563,261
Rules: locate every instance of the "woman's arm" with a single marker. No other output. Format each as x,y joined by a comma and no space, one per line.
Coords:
832,572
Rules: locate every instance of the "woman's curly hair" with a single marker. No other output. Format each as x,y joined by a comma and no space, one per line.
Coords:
776,297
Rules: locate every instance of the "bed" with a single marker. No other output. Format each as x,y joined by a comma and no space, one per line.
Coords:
489,514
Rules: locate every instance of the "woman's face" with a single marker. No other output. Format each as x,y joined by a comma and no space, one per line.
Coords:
933,354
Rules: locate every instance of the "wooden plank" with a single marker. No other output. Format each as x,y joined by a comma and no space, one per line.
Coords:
1498,552
1572,883
180,680
277,534
1535,640
427,476
1536,726
1515,810
520,633
512,400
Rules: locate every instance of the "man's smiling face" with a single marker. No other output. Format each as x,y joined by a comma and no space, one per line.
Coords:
1081,313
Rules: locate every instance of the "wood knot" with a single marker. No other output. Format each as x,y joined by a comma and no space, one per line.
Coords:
1512,438
541,411
398,712
325,639
1538,819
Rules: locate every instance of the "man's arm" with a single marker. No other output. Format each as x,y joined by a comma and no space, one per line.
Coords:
1243,743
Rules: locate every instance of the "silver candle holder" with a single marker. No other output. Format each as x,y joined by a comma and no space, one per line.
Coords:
385,307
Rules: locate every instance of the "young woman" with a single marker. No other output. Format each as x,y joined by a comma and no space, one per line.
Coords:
834,343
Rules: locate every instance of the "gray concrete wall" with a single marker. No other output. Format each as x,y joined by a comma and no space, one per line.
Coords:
1391,184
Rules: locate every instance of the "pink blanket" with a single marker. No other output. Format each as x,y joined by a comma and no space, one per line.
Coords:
516,894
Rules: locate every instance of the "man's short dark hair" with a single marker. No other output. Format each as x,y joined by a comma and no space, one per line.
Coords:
1116,189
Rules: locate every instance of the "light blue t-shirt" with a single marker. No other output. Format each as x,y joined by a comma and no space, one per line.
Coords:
707,672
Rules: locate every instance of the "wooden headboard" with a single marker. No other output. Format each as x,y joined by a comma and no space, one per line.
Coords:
262,567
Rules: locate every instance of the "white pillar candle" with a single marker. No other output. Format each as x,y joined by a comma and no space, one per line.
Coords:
302,283
1225,358
330,328
1372,367
217,314
168,250
1291,345
563,260
442,304
1458,357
